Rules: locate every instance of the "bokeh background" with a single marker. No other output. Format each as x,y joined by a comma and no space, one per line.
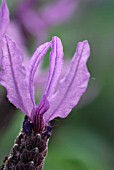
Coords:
85,139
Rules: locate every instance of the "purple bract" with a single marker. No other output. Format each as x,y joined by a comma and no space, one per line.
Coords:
60,95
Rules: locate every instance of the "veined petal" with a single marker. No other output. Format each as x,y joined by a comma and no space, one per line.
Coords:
56,63
72,86
13,76
40,82
4,19
36,59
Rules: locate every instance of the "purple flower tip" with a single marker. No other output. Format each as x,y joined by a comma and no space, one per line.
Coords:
4,19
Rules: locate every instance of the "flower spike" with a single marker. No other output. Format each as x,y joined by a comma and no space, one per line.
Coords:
61,93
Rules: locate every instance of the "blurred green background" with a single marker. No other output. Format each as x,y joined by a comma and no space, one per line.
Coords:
85,139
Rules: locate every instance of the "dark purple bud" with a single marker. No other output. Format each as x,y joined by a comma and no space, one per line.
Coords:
30,144
21,166
47,133
26,156
31,166
27,126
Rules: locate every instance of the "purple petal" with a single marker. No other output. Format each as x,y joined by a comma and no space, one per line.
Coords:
56,63
42,75
43,105
72,86
46,17
14,31
36,59
26,12
4,19
66,8
13,76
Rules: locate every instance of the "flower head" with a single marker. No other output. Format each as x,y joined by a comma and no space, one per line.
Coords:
59,96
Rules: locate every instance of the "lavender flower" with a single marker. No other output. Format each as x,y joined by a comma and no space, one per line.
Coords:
55,102
58,99
19,83
45,18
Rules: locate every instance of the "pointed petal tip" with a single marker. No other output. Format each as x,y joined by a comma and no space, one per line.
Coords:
55,38
85,42
4,4
85,48
4,18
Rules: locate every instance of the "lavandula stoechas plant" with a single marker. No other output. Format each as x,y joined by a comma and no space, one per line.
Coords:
58,99
21,31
